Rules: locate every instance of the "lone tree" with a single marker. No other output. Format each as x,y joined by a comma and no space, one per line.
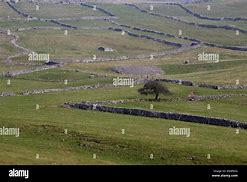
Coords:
155,88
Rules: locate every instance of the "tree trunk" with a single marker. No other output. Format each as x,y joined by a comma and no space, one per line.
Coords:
156,97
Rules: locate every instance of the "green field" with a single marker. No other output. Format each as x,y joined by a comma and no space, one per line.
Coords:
15,24
5,11
58,11
221,8
94,133
85,43
131,16
178,12
87,135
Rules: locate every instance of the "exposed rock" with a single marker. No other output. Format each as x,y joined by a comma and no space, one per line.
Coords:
139,70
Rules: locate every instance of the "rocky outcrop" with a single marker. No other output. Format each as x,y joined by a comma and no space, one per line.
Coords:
162,115
7,94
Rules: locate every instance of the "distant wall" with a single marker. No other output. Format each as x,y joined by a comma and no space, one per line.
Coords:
226,27
206,17
204,85
98,8
147,37
21,72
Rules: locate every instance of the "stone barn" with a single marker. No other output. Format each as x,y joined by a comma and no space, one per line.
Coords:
105,49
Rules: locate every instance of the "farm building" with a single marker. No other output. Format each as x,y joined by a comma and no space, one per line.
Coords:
105,49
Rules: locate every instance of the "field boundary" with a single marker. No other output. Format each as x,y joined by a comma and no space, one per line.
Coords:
200,16
162,115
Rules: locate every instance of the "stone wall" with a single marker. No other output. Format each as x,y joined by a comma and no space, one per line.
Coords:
18,11
226,27
214,97
147,37
40,19
204,85
154,31
162,115
63,24
51,90
206,17
99,9
21,72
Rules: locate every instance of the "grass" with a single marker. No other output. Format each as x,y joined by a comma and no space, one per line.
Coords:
50,79
91,132
233,108
221,77
15,24
5,47
86,135
88,23
221,8
85,43
230,68
58,11
6,11
201,67
131,16
181,14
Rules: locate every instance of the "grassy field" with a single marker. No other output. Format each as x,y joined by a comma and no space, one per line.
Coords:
89,23
221,8
182,14
42,131
5,46
6,11
131,16
87,136
85,43
15,24
54,78
58,11
232,66
7,49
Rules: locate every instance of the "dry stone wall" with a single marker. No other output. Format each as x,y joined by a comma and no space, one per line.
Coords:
162,115
204,85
